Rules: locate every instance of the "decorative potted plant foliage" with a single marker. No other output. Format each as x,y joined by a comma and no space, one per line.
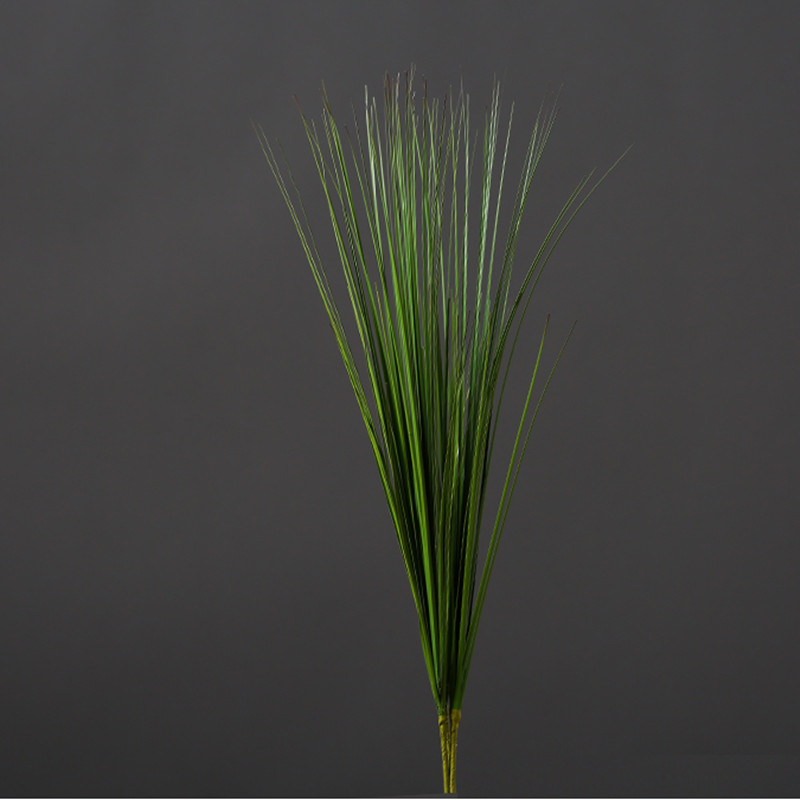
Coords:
438,322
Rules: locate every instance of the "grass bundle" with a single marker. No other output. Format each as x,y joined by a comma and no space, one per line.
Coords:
437,321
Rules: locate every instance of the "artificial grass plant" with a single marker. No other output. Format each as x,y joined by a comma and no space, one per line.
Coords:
437,320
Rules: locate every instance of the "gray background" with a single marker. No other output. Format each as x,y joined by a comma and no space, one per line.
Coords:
201,591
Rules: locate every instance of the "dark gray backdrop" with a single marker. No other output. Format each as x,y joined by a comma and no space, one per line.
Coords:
201,591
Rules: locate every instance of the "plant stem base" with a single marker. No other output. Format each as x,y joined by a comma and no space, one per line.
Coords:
448,732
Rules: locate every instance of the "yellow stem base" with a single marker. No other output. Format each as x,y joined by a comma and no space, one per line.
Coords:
448,732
